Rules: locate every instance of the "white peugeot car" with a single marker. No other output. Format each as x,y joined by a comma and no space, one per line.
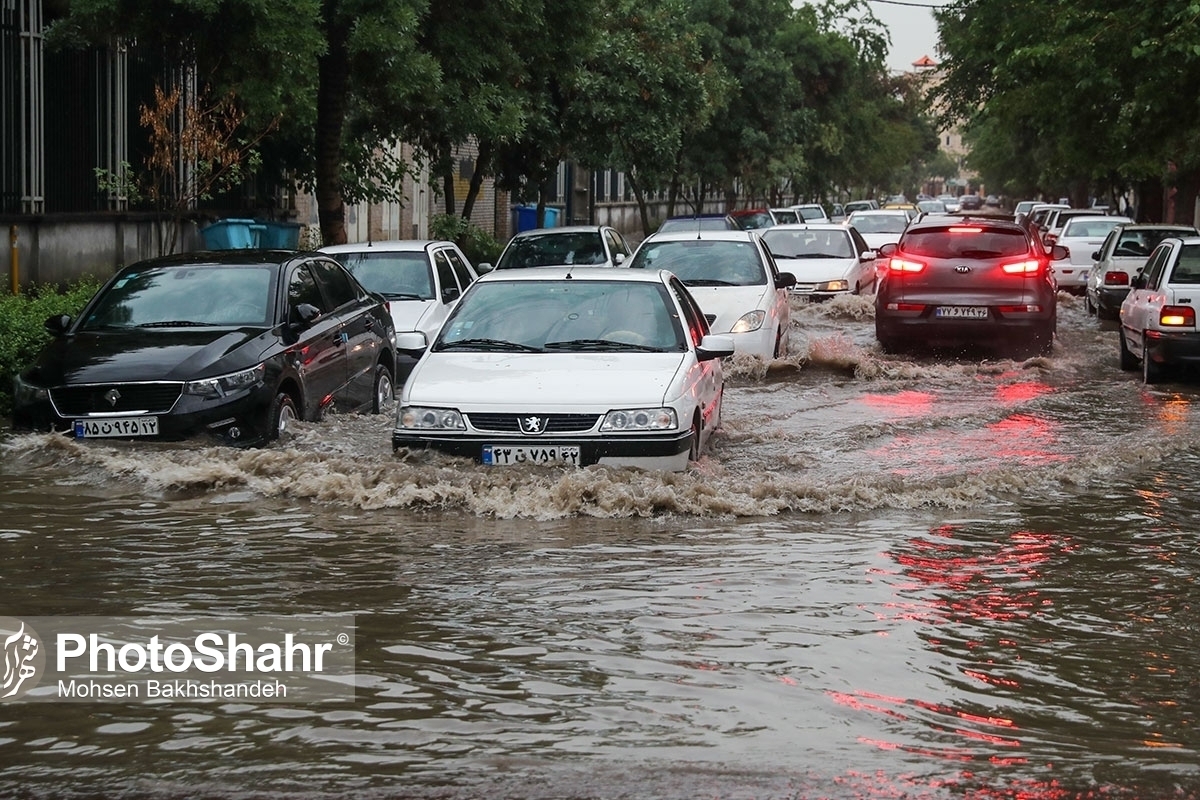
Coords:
827,259
1082,235
421,280
564,365
735,280
1158,317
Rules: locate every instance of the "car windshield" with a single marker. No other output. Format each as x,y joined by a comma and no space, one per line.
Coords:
965,241
785,243
880,223
785,216
553,249
1089,228
396,276
564,316
1187,269
696,224
812,212
1139,242
754,220
191,295
704,262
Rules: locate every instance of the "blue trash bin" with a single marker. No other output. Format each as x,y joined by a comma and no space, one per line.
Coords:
551,218
279,235
229,234
525,218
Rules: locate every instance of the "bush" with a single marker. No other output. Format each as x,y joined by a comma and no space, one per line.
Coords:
22,331
477,245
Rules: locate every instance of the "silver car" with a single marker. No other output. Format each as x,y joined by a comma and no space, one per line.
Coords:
1120,257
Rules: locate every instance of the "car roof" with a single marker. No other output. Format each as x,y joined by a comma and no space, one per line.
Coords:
726,236
563,229
243,256
1155,226
388,245
875,212
1094,218
575,274
943,220
807,226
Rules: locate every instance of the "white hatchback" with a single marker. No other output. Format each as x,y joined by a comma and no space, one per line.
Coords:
421,281
573,366
734,279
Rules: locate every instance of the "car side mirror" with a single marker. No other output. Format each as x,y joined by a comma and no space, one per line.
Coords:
484,268
1059,252
411,342
785,280
58,324
714,345
886,250
867,255
306,314
619,259
450,294
1096,256
1139,281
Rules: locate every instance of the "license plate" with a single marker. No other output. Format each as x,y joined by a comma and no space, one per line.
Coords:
961,312
506,456
116,426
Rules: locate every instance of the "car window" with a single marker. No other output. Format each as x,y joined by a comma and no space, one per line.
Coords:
1187,265
565,316
697,323
197,295
553,249
393,275
860,244
1154,267
302,288
336,282
879,223
704,261
808,243
616,243
965,241
461,271
445,274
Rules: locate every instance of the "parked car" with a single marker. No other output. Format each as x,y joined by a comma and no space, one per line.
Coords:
879,227
1023,207
785,216
749,219
1124,252
1082,235
950,201
698,222
932,206
1056,218
827,259
734,279
571,245
569,366
1158,317
421,280
237,344
859,205
970,202
975,281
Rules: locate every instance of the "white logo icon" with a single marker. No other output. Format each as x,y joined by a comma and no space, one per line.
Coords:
20,651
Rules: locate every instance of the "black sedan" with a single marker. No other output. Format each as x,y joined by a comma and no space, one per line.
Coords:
234,343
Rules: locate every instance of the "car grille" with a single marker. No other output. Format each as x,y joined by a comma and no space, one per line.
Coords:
552,423
113,398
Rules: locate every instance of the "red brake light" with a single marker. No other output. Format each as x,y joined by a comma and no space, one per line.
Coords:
1027,267
1177,316
896,264
1116,278
965,229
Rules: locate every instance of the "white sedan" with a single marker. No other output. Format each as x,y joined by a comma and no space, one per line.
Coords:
734,279
1082,235
1158,317
421,281
827,259
574,366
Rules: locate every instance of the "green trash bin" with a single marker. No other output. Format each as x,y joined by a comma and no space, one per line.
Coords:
229,234
279,235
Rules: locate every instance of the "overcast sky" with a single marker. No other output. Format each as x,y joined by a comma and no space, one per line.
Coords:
912,28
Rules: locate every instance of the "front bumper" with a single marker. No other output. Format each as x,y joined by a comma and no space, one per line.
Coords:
651,451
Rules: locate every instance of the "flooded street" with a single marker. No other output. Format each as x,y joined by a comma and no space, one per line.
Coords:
917,577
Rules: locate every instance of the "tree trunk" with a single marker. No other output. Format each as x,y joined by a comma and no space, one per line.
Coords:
448,192
332,87
643,212
485,155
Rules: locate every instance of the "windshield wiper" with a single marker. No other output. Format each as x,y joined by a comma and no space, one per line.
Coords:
593,345
176,323
404,296
489,344
709,282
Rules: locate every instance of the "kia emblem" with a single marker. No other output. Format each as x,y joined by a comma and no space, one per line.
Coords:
962,268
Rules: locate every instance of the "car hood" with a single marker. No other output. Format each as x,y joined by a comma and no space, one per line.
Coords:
148,355
412,315
810,270
543,380
877,240
729,303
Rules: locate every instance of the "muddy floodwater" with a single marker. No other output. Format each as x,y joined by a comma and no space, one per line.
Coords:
921,576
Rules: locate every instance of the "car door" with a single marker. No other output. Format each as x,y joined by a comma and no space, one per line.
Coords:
780,310
1144,301
453,277
618,249
320,349
707,378
361,331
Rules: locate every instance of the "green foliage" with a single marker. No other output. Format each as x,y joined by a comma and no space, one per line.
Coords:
479,246
22,334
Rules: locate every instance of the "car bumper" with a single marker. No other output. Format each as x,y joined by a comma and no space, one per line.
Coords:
238,419
1168,347
653,451
1111,299
922,327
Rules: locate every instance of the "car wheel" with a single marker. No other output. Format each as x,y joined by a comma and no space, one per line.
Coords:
1128,359
280,416
384,390
1152,372
694,453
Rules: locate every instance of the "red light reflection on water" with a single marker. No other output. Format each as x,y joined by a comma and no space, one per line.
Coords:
902,404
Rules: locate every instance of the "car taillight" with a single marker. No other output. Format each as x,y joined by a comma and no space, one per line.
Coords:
965,229
896,264
1027,267
1116,278
1177,316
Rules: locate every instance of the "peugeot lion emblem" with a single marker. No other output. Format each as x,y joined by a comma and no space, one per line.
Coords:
112,396
962,268
532,425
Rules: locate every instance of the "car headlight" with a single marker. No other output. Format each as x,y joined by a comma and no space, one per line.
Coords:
835,286
751,321
640,419
430,419
225,385
26,394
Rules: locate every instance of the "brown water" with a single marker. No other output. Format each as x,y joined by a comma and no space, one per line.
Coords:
893,577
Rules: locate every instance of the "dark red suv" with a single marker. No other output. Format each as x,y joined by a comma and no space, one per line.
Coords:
967,281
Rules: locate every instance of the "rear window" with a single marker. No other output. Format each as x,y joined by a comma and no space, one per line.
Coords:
965,241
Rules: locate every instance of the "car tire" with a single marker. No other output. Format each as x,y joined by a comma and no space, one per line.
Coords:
280,416
385,391
1152,372
1129,361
